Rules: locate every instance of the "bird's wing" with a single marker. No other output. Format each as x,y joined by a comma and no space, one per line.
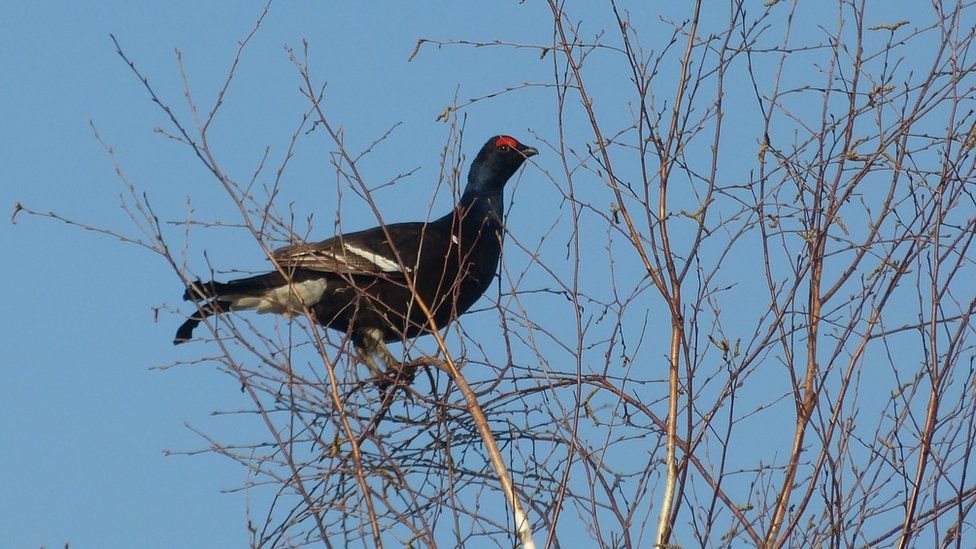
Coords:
364,252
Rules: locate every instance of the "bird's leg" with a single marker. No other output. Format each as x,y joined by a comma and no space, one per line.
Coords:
369,345
397,371
389,360
365,354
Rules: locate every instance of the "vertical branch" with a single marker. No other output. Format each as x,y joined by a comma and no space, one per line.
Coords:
933,372
817,233
669,155
670,290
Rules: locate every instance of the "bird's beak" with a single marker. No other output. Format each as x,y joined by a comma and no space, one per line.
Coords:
529,151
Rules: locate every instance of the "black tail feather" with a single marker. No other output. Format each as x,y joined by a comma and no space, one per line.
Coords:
198,290
185,332
255,285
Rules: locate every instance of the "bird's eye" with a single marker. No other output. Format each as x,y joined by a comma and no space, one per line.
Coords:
505,148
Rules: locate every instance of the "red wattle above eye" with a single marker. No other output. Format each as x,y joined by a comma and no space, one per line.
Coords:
506,141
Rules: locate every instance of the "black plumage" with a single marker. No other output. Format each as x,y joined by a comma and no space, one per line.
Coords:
357,282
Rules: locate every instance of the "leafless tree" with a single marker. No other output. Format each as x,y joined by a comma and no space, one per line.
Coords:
748,322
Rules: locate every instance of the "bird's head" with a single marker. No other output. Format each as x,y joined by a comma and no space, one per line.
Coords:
497,161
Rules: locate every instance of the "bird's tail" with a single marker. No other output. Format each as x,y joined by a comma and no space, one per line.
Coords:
208,296
266,293
185,332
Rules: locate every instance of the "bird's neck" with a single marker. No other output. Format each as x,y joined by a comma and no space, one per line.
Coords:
478,207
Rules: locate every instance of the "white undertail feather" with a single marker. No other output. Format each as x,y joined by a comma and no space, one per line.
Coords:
384,264
281,300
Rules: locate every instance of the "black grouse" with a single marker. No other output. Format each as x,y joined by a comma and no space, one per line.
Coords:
357,282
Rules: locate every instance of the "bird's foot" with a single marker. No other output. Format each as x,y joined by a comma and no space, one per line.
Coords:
401,375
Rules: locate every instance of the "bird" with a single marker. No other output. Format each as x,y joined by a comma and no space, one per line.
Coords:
360,283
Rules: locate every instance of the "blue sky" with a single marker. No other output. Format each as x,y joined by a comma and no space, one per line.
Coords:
87,421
